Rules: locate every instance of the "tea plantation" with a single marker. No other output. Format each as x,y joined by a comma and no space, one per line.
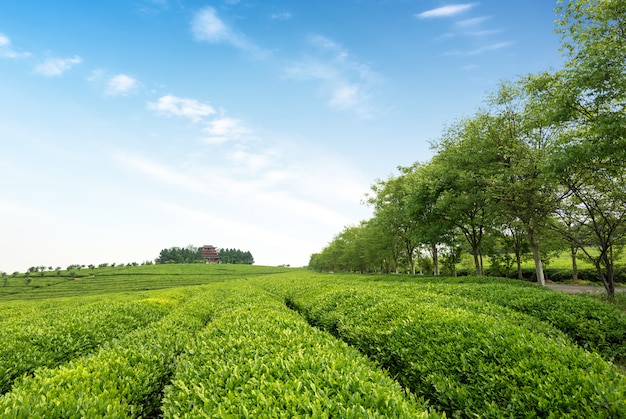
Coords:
195,341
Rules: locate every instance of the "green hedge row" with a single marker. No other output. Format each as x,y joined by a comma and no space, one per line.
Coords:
552,274
590,323
258,359
46,335
465,360
125,378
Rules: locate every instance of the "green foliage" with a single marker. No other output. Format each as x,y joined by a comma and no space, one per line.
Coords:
117,279
192,254
591,324
235,347
48,335
259,359
189,254
124,378
547,156
469,359
235,256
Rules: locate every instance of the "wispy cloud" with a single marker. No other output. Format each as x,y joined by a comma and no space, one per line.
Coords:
281,16
470,28
57,66
474,27
445,11
345,80
6,51
121,85
482,50
471,23
207,26
170,105
221,130
262,195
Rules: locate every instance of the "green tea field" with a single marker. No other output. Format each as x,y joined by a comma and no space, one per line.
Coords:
190,341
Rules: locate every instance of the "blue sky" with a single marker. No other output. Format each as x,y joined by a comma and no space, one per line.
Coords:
129,126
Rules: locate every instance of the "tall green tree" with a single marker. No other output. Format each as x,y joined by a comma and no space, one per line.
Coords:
588,97
591,91
431,228
595,210
463,168
523,188
390,200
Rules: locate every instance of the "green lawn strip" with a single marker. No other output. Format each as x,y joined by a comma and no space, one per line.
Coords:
466,362
60,330
125,378
258,359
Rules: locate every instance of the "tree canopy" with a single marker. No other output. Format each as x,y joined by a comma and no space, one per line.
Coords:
192,254
541,169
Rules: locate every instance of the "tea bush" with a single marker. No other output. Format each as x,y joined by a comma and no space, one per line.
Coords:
56,332
259,359
125,378
466,362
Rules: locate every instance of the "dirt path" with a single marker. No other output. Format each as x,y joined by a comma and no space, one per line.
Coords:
580,289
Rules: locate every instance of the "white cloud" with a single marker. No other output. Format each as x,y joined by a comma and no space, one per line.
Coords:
344,79
6,51
221,130
346,97
471,23
259,193
311,69
445,11
121,85
207,26
328,45
170,105
281,16
57,66
255,162
482,50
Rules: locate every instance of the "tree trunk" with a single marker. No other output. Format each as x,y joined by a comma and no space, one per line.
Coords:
609,285
409,255
534,245
518,261
482,266
435,260
609,279
574,250
477,262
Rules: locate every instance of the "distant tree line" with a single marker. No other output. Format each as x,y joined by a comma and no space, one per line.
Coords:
189,254
192,254
235,256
